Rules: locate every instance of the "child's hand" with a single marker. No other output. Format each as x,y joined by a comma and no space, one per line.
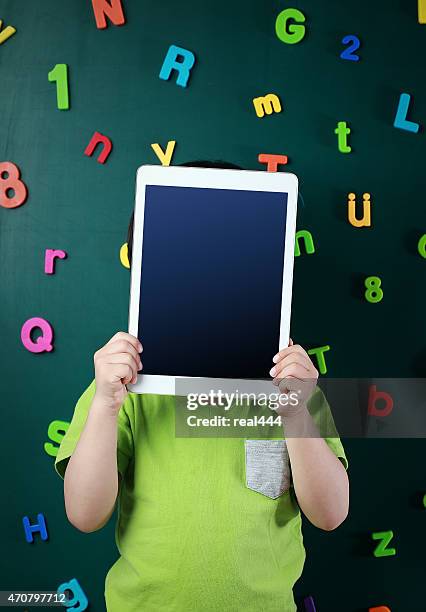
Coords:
294,372
116,364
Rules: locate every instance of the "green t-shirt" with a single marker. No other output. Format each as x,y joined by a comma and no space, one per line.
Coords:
203,523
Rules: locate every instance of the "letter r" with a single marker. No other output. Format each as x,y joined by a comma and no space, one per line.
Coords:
183,68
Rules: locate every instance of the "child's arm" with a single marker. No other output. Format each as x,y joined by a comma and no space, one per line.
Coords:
320,480
91,478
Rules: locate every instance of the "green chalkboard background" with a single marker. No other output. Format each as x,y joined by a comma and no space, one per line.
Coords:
83,207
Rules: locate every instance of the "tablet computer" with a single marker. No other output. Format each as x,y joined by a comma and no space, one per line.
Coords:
211,273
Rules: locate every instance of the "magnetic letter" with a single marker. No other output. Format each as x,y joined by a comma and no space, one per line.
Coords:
165,157
94,141
385,537
307,240
43,342
354,45
78,602
267,104
30,529
309,604
319,352
342,132
421,246
183,68
49,259
6,33
56,432
401,120
373,289
379,609
12,181
113,10
293,33
366,214
59,74
273,161
124,255
422,11
373,396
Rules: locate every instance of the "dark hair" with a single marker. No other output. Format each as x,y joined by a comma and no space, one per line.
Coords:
194,164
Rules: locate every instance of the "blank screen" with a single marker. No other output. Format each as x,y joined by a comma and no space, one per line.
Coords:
211,281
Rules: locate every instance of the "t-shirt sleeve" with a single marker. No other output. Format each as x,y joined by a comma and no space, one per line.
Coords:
81,411
320,411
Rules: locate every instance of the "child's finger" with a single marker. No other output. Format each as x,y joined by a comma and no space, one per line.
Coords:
121,346
290,342
286,351
123,359
125,336
293,358
293,370
123,372
288,382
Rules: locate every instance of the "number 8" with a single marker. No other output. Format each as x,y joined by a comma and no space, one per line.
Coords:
11,182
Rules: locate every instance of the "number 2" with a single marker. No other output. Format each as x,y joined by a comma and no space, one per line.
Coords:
354,45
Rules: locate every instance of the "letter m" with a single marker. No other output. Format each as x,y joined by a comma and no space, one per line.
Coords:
267,105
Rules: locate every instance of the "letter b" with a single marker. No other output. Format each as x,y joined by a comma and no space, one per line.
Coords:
373,396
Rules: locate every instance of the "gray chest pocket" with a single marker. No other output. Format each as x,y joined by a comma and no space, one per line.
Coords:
267,467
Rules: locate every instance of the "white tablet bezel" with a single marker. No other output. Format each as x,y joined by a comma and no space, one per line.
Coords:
209,178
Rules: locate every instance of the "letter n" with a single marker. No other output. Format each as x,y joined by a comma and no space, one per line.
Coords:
307,240
113,10
94,141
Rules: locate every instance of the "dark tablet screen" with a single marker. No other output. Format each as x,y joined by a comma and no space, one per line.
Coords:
211,281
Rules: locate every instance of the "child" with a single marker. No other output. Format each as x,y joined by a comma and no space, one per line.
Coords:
204,524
